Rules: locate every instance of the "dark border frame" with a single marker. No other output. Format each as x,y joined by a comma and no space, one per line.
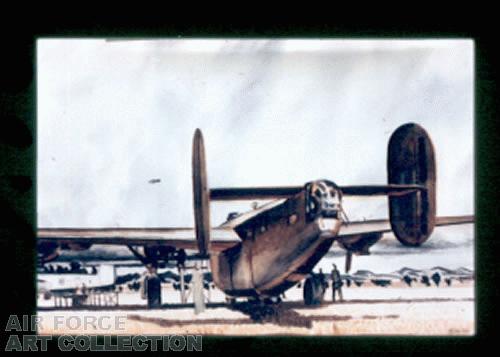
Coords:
18,170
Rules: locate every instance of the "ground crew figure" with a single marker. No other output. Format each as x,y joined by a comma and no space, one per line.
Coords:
322,279
85,291
336,283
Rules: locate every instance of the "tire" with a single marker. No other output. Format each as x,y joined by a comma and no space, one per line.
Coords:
313,291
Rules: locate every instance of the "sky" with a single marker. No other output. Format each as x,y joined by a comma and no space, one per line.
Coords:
112,115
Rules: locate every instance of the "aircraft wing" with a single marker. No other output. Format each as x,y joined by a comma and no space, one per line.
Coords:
384,225
181,238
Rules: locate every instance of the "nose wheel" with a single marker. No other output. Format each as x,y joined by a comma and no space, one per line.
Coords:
314,290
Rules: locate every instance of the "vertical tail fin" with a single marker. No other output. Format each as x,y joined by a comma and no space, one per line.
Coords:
201,199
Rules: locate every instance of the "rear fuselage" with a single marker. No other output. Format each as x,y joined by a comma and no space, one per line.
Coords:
279,246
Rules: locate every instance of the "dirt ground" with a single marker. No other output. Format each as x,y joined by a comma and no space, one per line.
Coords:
365,311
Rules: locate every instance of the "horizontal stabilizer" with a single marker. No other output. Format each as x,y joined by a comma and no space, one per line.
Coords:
266,193
253,193
379,190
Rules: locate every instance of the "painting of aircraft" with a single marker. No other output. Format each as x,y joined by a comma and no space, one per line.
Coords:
264,252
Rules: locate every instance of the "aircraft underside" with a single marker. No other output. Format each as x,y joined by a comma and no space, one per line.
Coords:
264,267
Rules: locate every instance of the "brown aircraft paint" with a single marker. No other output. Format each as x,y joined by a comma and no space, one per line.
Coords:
263,262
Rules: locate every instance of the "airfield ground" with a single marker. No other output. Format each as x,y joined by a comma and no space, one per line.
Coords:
366,310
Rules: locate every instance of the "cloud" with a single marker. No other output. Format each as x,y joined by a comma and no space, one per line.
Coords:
115,114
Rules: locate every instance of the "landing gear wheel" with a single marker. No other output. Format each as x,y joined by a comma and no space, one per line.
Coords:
314,291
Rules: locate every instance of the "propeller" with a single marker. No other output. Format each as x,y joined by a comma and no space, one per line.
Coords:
201,198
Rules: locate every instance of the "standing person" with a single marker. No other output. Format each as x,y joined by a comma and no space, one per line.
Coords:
336,283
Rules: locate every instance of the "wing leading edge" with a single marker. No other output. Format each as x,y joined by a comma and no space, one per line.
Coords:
384,225
184,238
181,238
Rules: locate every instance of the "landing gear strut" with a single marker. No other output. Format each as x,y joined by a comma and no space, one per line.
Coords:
152,287
154,257
314,290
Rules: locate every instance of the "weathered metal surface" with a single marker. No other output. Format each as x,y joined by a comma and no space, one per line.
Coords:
411,161
201,200
263,261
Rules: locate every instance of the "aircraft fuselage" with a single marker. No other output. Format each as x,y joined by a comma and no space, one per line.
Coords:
281,245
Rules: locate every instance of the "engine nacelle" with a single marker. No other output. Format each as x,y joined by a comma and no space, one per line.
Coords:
47,252
411,160
360,244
